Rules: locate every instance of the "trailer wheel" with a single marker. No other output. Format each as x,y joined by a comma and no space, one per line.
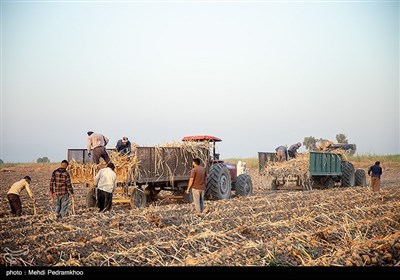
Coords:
138,198
329,183
308,184
91,200
348,174
244,186
219,182
361,178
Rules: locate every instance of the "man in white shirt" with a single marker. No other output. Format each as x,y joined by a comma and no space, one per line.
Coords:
106,181
98,143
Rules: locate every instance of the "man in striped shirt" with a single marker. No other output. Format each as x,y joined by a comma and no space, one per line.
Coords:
60,188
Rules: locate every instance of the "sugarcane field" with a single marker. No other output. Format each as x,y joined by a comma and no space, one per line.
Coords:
267,225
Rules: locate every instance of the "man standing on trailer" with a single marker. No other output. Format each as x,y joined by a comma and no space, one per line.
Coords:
98,143
281,153
293,150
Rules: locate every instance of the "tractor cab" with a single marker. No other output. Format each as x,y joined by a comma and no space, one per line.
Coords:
214,157
211,140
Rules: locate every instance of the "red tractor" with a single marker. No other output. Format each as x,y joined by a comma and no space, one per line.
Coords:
221,176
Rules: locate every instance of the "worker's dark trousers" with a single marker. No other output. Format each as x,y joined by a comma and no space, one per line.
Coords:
99,152
15,204
104,200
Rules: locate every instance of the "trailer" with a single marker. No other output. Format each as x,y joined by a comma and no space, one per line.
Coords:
155,169
324,170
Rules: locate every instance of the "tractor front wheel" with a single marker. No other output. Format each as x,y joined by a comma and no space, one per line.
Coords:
219,182
244,186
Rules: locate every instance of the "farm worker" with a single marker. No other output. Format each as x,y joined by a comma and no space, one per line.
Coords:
281,153
14,193
98,143
106,182
60,188
240,168
293,150
197,182
124,146
375,171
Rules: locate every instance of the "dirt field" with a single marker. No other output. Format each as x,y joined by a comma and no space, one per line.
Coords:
335,227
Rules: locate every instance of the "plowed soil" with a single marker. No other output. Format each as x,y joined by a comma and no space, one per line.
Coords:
333,227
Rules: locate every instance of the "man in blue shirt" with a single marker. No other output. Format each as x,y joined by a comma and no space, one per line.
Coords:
293,150
124,146
375,171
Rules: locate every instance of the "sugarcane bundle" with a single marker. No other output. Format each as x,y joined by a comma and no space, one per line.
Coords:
125,165
82,173
297,166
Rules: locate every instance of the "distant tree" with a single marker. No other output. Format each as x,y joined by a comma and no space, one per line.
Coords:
309,142
43,159
341,138
1,161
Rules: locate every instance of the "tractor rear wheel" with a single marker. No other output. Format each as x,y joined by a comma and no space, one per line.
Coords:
138,198
348,174
219,182
361,178
91,199
244,186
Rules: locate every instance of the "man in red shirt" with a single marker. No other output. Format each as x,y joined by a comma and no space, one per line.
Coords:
197,182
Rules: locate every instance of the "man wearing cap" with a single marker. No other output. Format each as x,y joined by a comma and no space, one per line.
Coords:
293,150
97,142
124,146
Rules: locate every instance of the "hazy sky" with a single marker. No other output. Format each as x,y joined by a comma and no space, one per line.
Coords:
257,74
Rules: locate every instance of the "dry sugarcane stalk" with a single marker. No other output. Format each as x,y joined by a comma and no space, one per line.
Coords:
73,205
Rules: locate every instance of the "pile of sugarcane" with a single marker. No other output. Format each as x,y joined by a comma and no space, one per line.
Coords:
82,173
296,166
127,167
